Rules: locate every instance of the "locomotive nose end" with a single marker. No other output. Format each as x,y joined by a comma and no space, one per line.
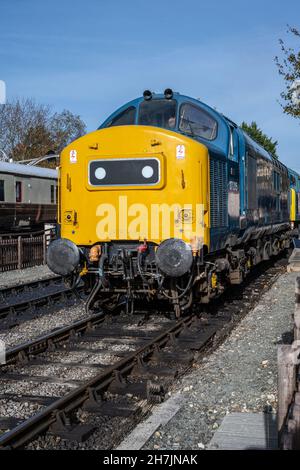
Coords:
63,256
174,257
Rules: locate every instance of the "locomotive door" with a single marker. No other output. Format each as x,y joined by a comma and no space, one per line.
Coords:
233,180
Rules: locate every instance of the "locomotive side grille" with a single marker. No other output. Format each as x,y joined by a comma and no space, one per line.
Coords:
218,193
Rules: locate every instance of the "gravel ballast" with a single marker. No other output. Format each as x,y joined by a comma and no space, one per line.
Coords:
22,276
35,328
241,375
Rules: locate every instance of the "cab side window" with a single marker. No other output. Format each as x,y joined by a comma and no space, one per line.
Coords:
233,144
125,118
197,122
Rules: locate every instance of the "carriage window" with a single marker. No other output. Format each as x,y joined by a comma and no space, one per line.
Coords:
125,118
18,191
158,113
52,193
197,123
2,196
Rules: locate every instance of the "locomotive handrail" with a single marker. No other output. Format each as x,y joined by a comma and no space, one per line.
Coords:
58,195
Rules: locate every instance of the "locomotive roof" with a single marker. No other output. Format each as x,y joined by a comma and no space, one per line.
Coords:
27,170
256,147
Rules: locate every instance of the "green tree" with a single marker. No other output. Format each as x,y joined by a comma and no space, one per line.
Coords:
289,67
260,137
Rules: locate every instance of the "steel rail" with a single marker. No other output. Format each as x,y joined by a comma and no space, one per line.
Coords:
49,340
42,421
15,289
17,308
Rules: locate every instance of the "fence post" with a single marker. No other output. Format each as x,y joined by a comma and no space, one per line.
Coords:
44,247
286,383
297,310
20,252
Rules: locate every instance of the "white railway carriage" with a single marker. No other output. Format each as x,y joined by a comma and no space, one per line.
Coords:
28,196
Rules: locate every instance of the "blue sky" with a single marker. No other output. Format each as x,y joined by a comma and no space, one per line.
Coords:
92,56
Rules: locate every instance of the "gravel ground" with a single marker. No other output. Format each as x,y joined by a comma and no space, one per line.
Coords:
241,375
22,276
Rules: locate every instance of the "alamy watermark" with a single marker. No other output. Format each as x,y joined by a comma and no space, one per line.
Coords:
2,352
2,92
152,221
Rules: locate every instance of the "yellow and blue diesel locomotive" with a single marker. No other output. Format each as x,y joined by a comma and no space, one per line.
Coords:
169,199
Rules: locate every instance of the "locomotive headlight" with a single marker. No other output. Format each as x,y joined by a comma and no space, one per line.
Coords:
168,93
63,256
147,95
100,173
147,171
174,257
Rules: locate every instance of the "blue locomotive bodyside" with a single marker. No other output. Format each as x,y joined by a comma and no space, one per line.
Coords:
294,180
249,189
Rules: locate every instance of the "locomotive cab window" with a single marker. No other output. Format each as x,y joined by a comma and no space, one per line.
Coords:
158,113
2,195
197,122
125,118
233,144
18,191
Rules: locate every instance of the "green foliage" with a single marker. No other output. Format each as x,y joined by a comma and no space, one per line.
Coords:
29,130
258,135
289,68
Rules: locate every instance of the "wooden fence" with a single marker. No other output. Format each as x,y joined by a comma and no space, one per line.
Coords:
24,251
289,385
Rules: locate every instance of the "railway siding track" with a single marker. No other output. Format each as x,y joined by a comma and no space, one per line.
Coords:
119,386
141,373
21,302
7,292
27,351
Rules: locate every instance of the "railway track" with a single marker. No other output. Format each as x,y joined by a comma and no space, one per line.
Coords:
105,369
141,373
23,302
